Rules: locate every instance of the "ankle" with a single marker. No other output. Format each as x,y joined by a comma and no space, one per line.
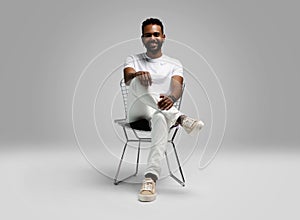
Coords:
152,176
180,119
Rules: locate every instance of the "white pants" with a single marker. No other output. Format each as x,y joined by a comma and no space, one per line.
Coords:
142,104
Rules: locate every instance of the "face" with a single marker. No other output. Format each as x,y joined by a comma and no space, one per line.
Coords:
153,38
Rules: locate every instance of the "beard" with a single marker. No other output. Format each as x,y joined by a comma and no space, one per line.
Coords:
154,46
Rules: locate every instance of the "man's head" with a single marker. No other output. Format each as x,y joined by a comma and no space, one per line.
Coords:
152,21
153,35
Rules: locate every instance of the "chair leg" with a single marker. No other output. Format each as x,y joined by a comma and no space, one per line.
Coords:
138,159
182,181
116,181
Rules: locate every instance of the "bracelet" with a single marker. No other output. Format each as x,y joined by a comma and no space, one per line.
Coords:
172,98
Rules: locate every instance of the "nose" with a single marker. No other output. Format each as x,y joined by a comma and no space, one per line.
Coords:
153,37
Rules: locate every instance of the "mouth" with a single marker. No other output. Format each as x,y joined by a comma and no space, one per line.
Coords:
153,44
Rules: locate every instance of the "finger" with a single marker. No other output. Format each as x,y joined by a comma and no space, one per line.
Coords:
149,78
164,95
142,80
163,100
170,105
161,103
162,107
139,76
145,79
164,104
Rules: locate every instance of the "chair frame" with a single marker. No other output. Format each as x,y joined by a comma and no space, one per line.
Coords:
125,125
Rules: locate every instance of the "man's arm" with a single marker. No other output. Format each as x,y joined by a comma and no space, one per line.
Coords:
143,76
176,87
167,102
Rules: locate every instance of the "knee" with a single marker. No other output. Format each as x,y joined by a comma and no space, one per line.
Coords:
137,85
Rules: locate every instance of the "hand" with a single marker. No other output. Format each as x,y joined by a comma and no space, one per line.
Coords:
144,77
165,103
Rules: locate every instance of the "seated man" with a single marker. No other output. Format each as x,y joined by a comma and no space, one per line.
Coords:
155,84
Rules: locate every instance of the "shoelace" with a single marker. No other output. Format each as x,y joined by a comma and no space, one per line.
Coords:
188,122
147,185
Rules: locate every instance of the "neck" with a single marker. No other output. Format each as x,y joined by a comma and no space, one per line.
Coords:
154,55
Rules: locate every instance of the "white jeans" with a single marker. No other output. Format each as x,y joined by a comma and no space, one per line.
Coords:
142,104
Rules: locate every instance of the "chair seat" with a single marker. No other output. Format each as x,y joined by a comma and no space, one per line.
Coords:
141,124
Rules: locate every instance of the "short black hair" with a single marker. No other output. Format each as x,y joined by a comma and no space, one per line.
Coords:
152,21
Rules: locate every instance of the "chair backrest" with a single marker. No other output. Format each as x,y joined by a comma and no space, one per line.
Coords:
124,91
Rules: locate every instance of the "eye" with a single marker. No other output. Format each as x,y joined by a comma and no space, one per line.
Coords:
147,35
155,34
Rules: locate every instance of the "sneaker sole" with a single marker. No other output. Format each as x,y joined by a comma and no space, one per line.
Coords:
147,198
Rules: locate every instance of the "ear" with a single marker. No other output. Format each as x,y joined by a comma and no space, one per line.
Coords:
142,40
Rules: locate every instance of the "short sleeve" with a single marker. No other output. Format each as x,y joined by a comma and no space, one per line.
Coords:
178,69
129,62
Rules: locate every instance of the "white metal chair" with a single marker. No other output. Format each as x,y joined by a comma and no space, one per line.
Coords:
143,125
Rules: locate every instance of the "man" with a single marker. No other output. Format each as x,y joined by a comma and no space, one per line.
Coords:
155,84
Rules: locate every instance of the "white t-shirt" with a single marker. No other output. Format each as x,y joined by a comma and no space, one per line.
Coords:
161,70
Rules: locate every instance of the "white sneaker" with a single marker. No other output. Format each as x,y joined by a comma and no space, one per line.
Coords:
191,126
147,192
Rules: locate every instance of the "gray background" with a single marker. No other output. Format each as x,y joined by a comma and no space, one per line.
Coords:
253,47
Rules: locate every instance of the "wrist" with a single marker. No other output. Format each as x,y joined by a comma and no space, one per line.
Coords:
172,98
133,75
